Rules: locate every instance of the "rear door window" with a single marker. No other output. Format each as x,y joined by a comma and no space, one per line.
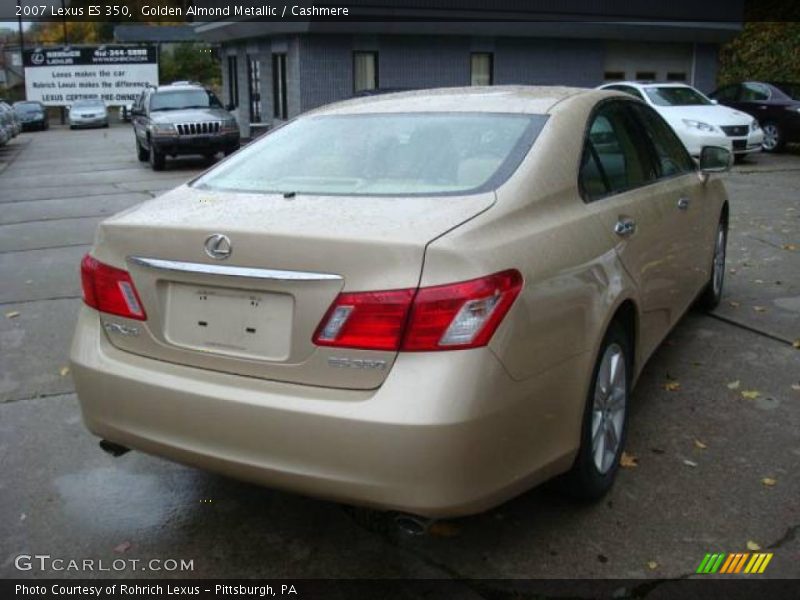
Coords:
615,157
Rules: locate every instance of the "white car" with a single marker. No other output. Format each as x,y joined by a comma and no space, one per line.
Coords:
696,119
88,113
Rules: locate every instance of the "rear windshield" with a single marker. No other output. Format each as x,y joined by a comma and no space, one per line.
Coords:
790,89
395,154
675,96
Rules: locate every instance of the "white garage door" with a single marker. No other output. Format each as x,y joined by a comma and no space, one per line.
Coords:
648,61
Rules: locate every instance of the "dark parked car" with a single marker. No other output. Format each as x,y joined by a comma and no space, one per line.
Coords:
182,118
32,114
775,105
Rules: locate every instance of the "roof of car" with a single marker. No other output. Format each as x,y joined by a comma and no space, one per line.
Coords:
514,99
646,84
172,87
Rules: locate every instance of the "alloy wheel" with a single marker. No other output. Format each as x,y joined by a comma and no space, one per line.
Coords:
608,409
771,137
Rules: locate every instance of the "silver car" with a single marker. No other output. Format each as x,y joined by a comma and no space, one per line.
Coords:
88,113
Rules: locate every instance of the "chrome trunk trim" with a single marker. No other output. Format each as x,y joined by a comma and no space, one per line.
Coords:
231,271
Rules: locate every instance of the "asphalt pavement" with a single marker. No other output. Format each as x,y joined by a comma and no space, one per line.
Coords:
714,443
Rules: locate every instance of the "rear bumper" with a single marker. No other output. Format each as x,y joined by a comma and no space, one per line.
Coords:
446,434
199,144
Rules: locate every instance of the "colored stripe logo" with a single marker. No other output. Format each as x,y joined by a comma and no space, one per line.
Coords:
735,563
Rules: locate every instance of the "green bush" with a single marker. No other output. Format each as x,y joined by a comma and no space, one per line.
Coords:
763,51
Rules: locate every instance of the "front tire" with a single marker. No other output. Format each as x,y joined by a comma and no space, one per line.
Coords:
605,418
712,294
774,140
157,159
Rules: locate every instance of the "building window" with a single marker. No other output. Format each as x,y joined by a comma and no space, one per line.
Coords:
279,86
482,68
233,81
676,76
645,76
254,83
614,76
365,71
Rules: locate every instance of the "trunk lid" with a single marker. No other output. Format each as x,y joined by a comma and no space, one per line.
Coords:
254,313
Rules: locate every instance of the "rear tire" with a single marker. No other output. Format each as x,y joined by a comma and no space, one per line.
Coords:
712,294
605,418
142,154
774,140
157,159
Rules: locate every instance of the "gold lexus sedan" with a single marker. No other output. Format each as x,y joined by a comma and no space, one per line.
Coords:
425,302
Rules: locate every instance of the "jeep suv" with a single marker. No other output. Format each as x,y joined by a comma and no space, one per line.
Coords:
182,118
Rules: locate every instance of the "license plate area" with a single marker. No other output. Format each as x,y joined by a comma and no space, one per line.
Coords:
243,323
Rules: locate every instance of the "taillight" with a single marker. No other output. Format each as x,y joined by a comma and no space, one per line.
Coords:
367,320
110,290
444,317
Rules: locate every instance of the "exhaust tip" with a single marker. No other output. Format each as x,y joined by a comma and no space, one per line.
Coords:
412,524
113,449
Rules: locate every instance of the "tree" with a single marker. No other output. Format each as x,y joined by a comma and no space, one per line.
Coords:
765,51
190,61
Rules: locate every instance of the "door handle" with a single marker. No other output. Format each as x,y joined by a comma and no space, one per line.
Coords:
683,203
625,227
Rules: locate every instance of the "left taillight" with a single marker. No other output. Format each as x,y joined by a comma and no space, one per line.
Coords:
110,290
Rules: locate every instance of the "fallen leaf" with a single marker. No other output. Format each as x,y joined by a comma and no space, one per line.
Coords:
652,565
751,394
23,516
12,314
63,371
689,463
123,547
672,386
628,461
734,385
699,444
602,558
443,529
769,481
759,281
732,271
751,545
790,247
796,344
733,303
796,387
760,309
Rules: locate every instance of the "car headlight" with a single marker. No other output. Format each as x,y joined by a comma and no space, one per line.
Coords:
163,128
230,125
699,125
754,126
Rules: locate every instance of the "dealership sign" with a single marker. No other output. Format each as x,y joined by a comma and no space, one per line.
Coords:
115,74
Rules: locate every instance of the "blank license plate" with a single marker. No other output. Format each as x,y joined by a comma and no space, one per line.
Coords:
246,323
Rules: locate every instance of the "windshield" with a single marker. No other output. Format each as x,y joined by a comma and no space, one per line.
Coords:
181,99
28,108
382,154
88,104
675,96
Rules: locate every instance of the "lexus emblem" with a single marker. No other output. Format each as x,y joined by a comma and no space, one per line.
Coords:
218,246
37,58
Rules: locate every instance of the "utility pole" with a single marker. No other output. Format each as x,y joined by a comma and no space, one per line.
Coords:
21,47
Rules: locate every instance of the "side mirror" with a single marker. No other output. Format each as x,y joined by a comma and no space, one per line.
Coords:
715,159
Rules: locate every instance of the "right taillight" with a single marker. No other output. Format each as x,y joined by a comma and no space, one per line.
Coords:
444,317
110,290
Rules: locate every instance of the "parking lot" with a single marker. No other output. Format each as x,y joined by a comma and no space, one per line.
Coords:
713,435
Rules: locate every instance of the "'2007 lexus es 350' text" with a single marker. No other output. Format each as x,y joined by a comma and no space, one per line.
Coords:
424,302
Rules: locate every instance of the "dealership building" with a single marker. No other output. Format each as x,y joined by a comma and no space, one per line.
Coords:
275,70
